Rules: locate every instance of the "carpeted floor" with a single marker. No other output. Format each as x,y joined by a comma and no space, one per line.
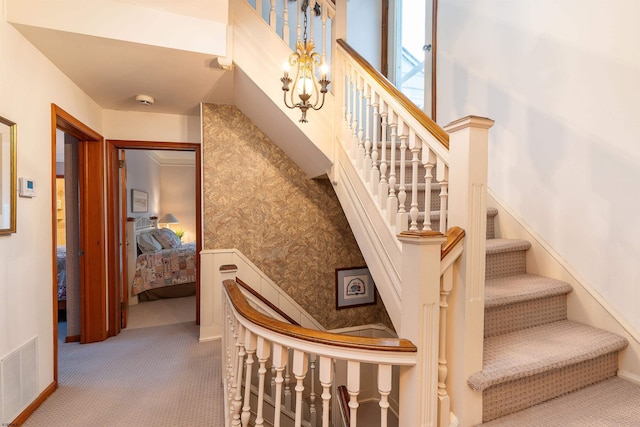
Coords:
149,376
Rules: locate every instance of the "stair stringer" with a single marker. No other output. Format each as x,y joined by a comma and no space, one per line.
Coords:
584,304
259,52
378,243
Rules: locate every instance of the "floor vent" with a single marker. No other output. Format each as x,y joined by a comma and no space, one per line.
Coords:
18,380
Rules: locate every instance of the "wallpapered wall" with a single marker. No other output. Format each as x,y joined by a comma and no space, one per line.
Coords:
292,227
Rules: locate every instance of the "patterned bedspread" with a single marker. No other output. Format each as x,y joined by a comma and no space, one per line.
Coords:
62,272
165,268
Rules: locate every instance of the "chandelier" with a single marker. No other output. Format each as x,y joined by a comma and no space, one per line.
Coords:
307,92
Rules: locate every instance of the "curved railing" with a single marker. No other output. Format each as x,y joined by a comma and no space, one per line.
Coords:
310,355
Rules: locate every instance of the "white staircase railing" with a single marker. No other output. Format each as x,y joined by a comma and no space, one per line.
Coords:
309,355
402,182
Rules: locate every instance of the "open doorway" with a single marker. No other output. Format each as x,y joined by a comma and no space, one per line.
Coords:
129,172
89,227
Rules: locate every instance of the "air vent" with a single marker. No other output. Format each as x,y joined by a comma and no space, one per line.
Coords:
18,380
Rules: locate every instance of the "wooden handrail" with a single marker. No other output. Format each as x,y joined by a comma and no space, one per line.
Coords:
454,236
266,302
241,305
440,134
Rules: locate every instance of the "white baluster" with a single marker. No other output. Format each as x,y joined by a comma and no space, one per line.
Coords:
324,33
428,160
354,112
384,388
392,199
312,396
442,175
375,172
326,380
234,364
237,398
272,15
402,223
360,136
383,187
353,387
287,387
299,26
250,344
367,138
285,23
259,7
263,351
300,366
444,404
414,211
280,358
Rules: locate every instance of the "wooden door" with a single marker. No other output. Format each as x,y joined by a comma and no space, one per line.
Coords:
122,164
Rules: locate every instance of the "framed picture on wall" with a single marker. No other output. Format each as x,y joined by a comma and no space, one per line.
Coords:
139,201
354,287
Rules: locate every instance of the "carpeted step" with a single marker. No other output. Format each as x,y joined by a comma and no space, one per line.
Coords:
610,403
523,301
506,257
530,366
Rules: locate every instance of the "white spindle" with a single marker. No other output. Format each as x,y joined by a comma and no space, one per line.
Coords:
263,351
375,172
280,358
272,15
353,387
237,398
361,147
392,199
442,175
326,380
402,221
383,187
285,23
312,396
250,344
414,211
428,161
357,107
384,388
287,387
300,367
324,33
367,137
259,7
444,404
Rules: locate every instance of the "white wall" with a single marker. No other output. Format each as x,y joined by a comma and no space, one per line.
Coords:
363,29
562,81
29,83
178,196
135,126
143,173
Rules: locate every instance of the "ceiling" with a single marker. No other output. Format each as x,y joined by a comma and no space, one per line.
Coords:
113,72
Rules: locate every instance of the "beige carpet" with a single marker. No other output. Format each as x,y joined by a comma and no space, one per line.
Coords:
162,312
611,403
155,376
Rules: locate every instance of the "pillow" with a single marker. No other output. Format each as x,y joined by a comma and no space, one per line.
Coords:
147,243
167,238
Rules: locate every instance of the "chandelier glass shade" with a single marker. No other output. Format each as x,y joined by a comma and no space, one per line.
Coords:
302,89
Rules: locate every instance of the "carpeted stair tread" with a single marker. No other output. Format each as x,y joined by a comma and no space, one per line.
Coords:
610,403
532,351
522,287
497,246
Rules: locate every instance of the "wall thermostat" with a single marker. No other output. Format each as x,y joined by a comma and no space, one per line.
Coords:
26,187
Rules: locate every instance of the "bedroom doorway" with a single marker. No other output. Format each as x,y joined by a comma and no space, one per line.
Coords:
117,196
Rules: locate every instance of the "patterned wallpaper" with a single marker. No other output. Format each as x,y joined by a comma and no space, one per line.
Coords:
292,227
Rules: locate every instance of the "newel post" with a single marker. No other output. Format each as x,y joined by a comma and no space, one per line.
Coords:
468,158
420,324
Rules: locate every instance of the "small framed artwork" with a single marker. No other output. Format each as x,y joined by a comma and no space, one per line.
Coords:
354,287
139,200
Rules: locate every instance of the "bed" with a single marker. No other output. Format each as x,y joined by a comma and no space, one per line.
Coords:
61,254
160,265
